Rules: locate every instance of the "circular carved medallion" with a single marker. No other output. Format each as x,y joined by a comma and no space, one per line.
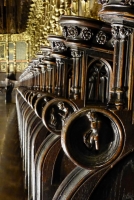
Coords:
34,98
56,112
92,137
41,102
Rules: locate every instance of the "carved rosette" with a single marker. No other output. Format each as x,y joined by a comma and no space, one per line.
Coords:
92,138
56,112
86,34
58,46
72,31
101,38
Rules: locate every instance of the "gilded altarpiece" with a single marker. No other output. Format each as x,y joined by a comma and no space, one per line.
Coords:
14,55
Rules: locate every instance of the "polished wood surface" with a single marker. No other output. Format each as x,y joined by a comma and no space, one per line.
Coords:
11,174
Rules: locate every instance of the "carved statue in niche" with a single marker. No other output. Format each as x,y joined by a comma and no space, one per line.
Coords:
91,137
53,121
98,83
65,111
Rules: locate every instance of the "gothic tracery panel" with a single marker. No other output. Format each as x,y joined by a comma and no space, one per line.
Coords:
98,82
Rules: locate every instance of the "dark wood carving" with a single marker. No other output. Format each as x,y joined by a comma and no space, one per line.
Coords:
75,110
92,137
41,102
56,112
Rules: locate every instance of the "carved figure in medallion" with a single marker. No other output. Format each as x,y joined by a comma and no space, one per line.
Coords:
53,120
65,114
91,137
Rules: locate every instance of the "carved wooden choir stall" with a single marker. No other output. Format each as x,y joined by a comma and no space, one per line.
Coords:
75,109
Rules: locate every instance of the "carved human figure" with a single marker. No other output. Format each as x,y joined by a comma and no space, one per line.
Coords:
53,120
65,114
91,137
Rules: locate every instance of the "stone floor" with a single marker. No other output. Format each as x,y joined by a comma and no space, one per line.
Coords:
11,174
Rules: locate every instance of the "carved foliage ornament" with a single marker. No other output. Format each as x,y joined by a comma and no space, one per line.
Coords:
101,37
58,46
120,32
71,31
76,54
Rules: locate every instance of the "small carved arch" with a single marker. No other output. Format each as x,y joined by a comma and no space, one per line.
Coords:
98,81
